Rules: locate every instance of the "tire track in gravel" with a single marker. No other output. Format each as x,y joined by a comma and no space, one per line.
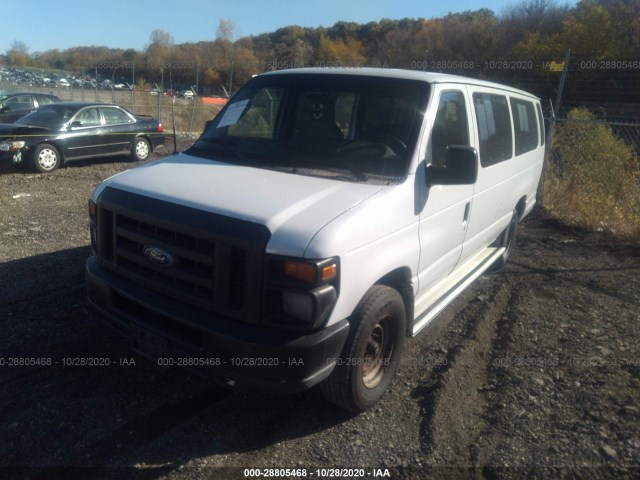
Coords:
455,397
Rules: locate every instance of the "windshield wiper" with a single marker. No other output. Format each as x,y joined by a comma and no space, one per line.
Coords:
356,172
227,145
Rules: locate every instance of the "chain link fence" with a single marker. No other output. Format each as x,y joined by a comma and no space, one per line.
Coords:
186,115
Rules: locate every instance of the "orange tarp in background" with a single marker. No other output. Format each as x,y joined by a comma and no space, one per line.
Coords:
214,100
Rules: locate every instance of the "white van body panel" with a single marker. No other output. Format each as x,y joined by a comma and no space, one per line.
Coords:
292,210
372,240
377,232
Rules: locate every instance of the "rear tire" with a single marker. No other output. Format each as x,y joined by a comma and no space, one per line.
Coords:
508,240
371,355
140,150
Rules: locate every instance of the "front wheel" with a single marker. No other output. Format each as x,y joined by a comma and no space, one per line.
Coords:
371,356
140,150
45,158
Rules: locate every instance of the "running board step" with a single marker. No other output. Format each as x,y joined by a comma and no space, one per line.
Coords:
431,303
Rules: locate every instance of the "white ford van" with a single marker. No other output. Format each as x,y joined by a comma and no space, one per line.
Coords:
322,217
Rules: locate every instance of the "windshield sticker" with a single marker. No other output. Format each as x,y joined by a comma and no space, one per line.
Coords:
233,113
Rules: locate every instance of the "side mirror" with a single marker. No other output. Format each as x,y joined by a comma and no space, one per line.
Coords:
461,167
75,124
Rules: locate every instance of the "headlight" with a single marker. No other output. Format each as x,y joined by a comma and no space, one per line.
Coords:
299,294
12,145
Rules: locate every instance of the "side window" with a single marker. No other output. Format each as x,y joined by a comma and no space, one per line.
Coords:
44,100
494,128
525,125
450,126
540,123
89,117
115,116
20,102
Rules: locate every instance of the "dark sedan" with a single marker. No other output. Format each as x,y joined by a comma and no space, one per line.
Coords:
62,132
16,105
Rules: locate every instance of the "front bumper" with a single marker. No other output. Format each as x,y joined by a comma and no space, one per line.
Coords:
231,352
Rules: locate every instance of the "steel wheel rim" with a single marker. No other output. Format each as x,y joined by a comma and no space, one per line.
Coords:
142,149
47,159
377,353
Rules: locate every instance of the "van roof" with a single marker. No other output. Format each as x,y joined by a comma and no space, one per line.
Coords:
429,77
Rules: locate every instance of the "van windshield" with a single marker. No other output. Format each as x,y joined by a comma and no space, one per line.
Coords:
355,128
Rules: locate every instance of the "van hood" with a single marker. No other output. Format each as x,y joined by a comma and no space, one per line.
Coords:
293,207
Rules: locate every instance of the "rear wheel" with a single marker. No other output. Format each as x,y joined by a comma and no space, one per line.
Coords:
45,158
372,353
140,150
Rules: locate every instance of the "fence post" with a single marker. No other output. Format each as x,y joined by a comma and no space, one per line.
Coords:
195,99
552,124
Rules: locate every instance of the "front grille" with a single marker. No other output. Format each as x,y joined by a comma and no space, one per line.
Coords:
216,261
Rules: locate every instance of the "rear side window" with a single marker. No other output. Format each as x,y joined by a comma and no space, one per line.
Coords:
525,125
494,128
115,116
45,100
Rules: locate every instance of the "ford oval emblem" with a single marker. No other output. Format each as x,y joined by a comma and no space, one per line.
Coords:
158,256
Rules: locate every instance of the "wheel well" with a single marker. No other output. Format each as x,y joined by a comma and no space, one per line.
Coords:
520,206
400,280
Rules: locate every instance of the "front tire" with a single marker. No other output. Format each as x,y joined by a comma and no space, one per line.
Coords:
371,355
140,150
45,158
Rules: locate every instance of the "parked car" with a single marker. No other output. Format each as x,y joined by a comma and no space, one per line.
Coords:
18,104
67,131
187,94
322,217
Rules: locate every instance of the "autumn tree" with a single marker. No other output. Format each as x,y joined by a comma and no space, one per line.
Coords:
590,31
18,54
345,52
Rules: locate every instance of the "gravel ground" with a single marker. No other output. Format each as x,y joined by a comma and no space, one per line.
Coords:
533,372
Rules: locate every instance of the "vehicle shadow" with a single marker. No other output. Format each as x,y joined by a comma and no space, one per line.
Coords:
73,395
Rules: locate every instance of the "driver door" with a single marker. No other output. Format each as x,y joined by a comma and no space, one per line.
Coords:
445,209
86,134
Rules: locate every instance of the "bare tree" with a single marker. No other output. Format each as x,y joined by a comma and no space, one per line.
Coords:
18,46
226,30
542,16
161,38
